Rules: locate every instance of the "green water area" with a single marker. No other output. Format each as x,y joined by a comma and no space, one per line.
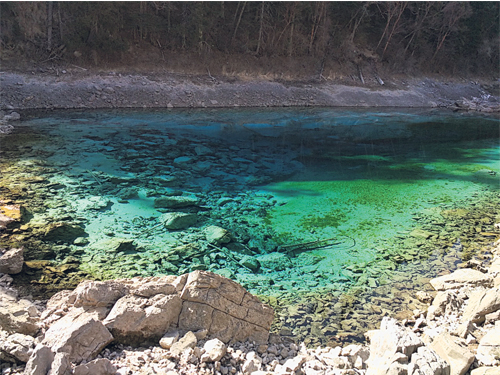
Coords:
335,217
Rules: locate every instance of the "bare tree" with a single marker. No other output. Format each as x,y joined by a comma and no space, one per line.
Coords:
451,14
393,11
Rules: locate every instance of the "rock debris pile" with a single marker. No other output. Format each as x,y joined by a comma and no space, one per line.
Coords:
202,323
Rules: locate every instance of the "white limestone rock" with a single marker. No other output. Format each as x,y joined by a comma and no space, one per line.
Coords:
480,303
488,351
214,351
462,277
459,357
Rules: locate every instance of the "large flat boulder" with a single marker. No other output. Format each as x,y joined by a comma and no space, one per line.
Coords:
223,307
462,277
179,201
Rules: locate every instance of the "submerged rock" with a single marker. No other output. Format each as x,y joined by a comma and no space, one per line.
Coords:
217,235
175,201
178,220
115,245
63,231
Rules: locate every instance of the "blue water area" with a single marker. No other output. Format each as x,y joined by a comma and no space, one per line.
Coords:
314,200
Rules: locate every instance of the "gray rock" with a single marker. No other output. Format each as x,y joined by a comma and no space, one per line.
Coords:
79,335
462,277
488,351
18,315
134,320
60,365
11,262
13,116
445,303
40,361
176,201
480,303
98,293
217,235
16,347
460,358
178,220
100,366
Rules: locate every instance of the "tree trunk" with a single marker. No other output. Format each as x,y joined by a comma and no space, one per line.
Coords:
290,40
50,12
238,23
260,28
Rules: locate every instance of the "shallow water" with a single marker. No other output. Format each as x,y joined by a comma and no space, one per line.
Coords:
316,200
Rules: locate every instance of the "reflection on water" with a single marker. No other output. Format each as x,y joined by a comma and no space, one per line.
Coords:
311,202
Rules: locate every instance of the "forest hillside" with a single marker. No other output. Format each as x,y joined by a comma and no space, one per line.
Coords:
273,40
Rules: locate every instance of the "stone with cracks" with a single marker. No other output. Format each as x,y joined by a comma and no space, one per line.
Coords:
427,362
11,262
225,308
16,347
480,303
461,277
390,346
79,335
134,319
460,358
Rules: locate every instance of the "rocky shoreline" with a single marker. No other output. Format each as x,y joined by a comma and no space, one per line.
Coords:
72,88
202,323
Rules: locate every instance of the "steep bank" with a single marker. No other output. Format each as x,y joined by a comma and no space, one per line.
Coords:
73,88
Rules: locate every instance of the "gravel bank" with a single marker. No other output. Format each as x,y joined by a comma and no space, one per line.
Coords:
76,89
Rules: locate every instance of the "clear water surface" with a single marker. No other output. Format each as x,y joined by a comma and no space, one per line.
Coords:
316,200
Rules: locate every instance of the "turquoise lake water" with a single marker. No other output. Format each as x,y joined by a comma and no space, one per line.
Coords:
313,198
